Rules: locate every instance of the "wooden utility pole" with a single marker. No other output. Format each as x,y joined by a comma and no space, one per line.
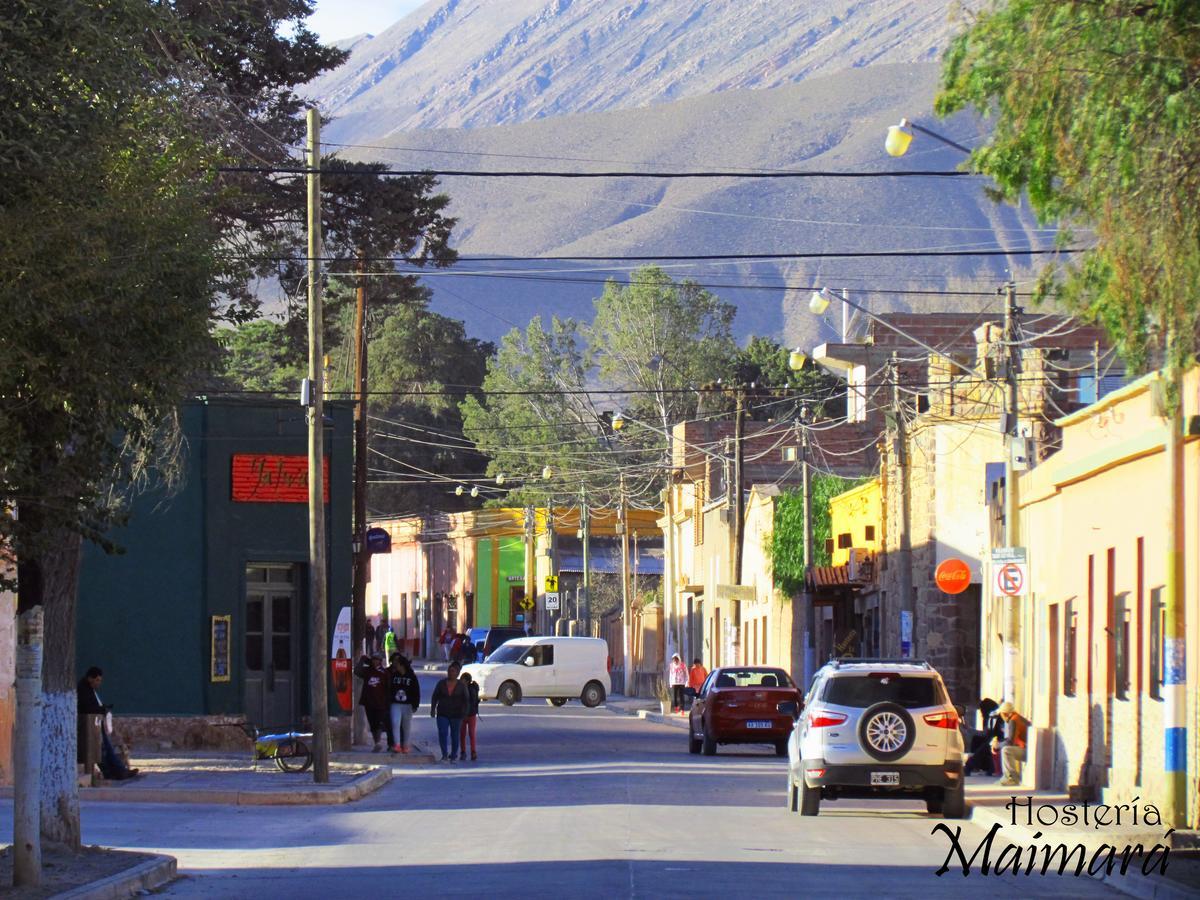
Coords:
583,600
739,497
319,650
1012,533
362,556
626,607
810,611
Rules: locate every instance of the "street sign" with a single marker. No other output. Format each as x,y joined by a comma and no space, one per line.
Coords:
551,584
551,600
527,603
1010,579
1008,554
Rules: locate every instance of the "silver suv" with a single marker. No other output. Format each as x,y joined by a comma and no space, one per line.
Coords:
877,728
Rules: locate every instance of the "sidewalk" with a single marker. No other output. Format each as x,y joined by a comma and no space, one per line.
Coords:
1029,818
643,708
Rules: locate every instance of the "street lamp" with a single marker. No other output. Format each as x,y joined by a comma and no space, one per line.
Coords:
458,491
500,478
900,136
547,473
796,359
475,491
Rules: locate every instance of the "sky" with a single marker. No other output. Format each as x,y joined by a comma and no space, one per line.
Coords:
337,19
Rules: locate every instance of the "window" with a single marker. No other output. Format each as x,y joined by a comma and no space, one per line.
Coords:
869,533
1121,663
861,691
828,547
844,541
540,655
1158,631
1070,630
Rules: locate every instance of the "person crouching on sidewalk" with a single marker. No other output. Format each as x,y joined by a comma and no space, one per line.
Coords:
468,724
1012,748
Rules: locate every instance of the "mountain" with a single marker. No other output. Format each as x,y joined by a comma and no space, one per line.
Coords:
765,85
473,63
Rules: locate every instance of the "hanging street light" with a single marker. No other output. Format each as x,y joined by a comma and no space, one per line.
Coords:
618,421
475,491
900,136
796,359
458,491
547,473
500,478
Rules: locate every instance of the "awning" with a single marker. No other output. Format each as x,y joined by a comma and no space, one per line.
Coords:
828,576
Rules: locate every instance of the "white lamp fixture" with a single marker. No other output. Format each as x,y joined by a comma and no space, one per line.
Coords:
458,491
898,138
547,473
475,491
796,359
500,478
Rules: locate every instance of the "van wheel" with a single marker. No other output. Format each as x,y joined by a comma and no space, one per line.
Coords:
557,701
593,694
509,693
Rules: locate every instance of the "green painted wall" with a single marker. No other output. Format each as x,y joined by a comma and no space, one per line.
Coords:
484,591
145,615
512,565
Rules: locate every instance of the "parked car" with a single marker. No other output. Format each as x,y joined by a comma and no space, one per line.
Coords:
557,668
498,635
877,728
740,705
478,636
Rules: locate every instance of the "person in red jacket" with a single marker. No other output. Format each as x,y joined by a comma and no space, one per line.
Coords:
375,699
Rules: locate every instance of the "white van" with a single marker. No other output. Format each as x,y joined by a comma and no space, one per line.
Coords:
557,668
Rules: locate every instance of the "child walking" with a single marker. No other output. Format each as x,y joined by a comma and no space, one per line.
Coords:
468,725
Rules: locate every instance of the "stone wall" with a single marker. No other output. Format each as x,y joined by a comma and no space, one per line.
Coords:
162,734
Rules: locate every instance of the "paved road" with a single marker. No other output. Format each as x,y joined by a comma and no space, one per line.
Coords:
563,803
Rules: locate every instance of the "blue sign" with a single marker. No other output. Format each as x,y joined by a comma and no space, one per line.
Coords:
378,541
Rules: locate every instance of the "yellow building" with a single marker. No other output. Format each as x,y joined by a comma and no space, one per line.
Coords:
856,521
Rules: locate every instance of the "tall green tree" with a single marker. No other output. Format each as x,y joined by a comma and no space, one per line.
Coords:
1095,104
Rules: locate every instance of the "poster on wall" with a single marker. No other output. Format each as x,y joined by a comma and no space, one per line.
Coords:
220,648
340,661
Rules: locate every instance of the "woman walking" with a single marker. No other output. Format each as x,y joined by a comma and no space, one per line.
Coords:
677,676
448,706
374,699
405,695
468,725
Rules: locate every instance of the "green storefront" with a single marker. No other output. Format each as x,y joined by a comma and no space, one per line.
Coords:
206,611
499,580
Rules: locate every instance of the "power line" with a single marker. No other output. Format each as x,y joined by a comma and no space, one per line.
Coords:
549,173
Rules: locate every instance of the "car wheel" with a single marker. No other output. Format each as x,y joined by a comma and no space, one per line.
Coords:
810,800
954,803
593,694
708,744
886,731
933,801
781,747
793,795
557,701
693,742
509,693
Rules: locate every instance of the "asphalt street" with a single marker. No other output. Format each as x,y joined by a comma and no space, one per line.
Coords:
566,802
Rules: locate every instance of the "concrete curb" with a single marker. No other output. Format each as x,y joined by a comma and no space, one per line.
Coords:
146,876
355,789
649,715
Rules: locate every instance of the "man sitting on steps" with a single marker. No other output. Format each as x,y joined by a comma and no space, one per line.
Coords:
112,766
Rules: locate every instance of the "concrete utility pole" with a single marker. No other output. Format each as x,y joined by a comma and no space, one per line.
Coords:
904,489
319,651
1175,730
583,604
626,608
810,611
1012,533
362,557
739,498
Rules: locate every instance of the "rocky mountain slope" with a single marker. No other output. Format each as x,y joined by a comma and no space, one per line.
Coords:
472,63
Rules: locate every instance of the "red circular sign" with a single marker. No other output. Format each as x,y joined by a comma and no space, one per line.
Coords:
953,576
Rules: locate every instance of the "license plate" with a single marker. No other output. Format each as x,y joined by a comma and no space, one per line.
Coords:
758,723
885,778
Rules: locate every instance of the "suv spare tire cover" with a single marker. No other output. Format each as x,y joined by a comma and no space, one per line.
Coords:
886,731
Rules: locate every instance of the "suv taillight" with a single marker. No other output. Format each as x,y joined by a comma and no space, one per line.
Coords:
825,719
942,720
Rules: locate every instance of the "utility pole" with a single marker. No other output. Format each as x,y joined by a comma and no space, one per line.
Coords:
362,557
583,603
810,611
626,610
319,651
1175,728
530,570
1012,534
904,488
739,499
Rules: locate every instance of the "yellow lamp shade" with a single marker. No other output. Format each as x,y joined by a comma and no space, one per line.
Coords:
475,492
500,478
618,422
458,491
818,303
796,359
547,473
898,139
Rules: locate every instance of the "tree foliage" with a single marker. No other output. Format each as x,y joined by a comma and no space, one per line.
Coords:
786,546
1095,104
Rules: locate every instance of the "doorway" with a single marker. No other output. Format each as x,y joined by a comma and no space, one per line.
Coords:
271,638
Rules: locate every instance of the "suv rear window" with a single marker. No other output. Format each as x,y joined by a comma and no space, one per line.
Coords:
861,691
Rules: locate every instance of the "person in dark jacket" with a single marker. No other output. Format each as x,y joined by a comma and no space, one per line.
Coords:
374,699
980,758
87,695
449,705
468,723
404,694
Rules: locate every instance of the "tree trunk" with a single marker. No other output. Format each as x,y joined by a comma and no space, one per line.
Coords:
27,764
60,781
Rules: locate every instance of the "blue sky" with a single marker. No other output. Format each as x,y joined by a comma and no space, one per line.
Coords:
336,19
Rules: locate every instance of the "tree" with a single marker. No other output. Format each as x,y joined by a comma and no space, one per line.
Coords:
786,549
1095,105
780,392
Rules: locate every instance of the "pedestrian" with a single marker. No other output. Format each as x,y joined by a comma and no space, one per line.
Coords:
445,640
448,706
466,652
677,677
696,675
1012,747
468,725
404,694
980,746
87,695
374,699
456,648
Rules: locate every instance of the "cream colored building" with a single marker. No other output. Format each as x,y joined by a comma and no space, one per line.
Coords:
1094,522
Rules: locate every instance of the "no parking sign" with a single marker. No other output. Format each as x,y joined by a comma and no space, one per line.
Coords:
1010,571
